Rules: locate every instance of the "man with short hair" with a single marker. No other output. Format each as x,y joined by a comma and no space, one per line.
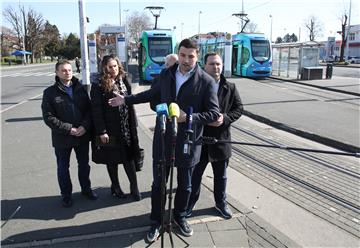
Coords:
66,110
219,154
186,84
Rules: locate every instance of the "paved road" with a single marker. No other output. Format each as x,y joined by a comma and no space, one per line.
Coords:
313,112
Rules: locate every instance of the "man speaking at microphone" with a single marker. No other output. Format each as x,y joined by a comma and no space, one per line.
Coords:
231,109
189,86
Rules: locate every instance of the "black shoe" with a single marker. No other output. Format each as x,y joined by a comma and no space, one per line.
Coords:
153,233
136,196
117,192
67,201
184,227
91,195
224,211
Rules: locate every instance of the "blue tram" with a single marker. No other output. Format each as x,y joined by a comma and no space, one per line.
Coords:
153,48
251,53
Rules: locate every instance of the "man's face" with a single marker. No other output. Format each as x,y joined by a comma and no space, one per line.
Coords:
214,66
64,72
187,59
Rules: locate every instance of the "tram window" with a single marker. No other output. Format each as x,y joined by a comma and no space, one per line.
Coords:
260,50
245,55
159,47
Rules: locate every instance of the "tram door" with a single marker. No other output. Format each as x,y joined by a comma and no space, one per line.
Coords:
234,60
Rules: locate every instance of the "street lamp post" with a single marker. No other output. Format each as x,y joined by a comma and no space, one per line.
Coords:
271,26
182,26
120,11
126,40
199,25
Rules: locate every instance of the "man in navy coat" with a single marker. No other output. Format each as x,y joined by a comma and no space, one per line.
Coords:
218,154
186,84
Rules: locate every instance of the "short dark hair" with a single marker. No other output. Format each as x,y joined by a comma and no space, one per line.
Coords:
61,62
187,43
210,54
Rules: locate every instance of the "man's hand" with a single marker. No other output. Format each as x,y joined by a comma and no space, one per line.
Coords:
218,122
182,117
117,100
73,131
104,138
80,131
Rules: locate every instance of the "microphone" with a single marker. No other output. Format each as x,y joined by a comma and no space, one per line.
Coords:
189,131
162,113
174,113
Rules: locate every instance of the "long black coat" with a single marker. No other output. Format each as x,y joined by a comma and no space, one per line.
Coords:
107,120
61,113
198,92
231,107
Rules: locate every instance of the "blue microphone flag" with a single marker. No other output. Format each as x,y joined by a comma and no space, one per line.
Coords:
162,109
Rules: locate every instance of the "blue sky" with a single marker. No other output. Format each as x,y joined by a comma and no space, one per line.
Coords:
287,16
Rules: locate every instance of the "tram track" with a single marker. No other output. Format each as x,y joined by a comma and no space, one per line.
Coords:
335,196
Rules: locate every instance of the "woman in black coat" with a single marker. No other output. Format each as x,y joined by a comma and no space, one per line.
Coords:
116,141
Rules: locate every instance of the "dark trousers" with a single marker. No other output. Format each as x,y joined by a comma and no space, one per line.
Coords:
220,179
130,171
182,195
63,164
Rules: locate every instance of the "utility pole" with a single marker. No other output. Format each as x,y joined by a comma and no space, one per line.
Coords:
182,26
271,26
23,38
199,25
84,45
120,12
347,54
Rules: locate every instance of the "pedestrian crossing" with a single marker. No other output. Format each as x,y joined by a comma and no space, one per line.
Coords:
28,74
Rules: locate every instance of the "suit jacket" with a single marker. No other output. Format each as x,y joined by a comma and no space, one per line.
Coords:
231,107
198,92
61,113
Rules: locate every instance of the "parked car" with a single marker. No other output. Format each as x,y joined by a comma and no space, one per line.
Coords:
354,60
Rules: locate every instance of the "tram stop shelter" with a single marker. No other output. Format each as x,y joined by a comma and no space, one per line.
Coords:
297,60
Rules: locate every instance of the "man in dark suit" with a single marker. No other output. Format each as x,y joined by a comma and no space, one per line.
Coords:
231,109
186,84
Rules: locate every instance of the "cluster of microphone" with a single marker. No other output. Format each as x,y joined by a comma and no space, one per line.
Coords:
164,112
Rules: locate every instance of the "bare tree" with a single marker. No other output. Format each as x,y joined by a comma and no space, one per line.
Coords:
344,36
251,27
137,22
15,21
314,27
8,41
28,26
35,35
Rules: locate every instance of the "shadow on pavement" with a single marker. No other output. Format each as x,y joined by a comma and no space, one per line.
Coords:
24,119
50,208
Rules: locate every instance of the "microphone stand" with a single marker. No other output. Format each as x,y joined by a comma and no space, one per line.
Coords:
212,140
163,183
170,217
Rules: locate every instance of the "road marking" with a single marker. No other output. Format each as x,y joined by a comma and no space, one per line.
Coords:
29,74
20,103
